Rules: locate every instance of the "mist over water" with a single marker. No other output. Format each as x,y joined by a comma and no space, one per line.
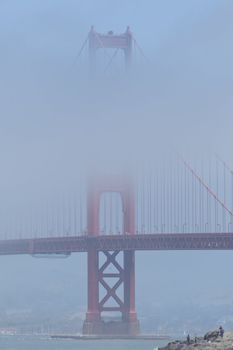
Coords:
58,126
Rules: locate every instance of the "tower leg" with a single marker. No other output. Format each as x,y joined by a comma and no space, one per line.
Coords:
129,315
92,324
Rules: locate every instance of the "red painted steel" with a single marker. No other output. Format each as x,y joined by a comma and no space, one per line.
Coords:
111,292
125,275
110,40
142,242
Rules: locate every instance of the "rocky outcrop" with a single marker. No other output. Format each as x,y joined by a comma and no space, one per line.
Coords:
211,341
211,336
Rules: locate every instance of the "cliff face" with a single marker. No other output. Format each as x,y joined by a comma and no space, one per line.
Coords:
211,341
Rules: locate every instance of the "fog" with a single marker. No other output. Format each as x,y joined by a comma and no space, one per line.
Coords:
59,124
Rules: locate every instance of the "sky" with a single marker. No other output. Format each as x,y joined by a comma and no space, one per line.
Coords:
57,123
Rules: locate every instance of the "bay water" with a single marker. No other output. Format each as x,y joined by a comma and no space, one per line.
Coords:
46,343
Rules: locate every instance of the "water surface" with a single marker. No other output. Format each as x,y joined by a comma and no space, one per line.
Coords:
44,343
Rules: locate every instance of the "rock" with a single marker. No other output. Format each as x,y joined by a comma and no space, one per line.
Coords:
211,341
211,336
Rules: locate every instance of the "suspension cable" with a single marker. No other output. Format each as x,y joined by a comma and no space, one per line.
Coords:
210,191
80,50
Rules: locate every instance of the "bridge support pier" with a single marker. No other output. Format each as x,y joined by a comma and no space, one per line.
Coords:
111,282
111,274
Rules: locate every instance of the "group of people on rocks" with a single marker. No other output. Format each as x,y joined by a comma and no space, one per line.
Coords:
220,332
188,339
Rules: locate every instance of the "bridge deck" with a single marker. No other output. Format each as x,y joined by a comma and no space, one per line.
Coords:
165,241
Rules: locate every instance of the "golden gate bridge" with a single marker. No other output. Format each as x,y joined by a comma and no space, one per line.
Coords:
173,206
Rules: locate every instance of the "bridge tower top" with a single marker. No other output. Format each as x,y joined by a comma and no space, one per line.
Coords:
110,41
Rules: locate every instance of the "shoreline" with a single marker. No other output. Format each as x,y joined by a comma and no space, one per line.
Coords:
111,337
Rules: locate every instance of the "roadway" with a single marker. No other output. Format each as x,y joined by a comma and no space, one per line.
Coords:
158,241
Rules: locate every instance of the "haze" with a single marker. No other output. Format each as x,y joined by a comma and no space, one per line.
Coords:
57,124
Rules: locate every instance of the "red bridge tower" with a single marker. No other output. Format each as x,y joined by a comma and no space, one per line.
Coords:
98,272
125,272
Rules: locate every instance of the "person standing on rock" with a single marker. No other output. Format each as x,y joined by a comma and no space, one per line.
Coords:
221,331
